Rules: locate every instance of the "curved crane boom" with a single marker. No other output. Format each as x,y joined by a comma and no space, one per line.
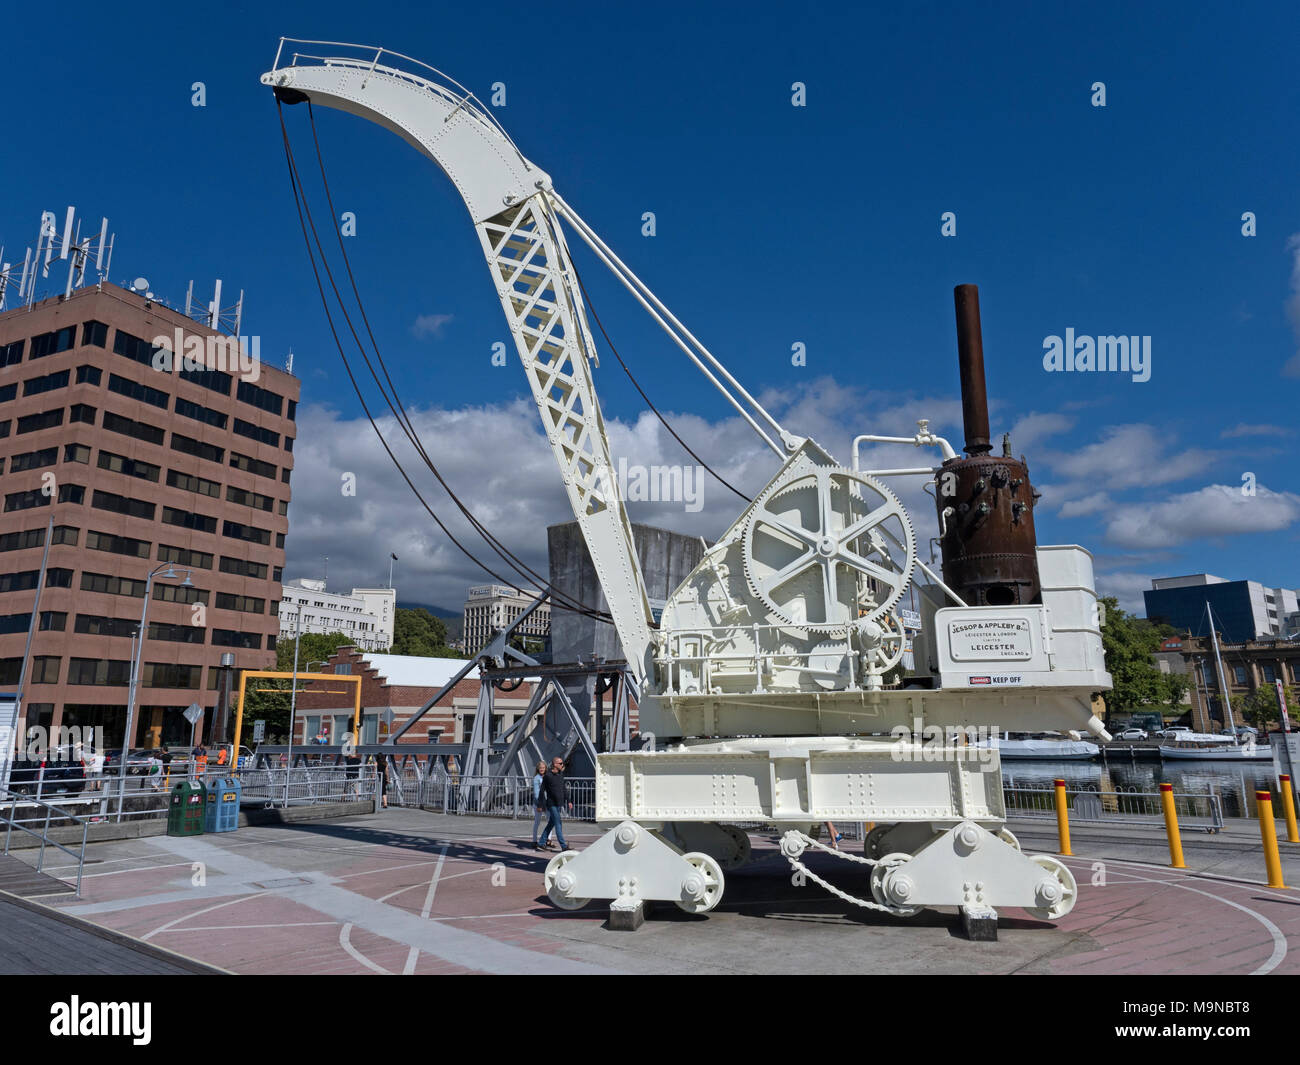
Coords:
530,266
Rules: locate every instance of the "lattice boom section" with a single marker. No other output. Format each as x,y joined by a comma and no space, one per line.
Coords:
529,268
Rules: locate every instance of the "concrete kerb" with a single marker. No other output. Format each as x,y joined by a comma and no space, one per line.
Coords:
183,961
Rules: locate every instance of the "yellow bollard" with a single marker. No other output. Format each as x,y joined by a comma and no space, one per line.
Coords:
1062,819
1288,808
1268,833
1171,827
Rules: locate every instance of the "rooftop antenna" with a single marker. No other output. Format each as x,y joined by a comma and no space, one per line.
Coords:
212,314
69,247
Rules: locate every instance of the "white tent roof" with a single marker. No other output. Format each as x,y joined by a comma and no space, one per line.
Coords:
412,671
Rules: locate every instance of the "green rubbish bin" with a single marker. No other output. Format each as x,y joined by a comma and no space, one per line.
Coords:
185,813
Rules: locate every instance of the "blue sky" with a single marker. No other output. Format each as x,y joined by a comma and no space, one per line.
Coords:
775,225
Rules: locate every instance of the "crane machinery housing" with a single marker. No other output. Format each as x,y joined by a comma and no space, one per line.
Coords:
772,688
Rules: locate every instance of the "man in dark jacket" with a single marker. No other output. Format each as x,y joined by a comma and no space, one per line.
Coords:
556,793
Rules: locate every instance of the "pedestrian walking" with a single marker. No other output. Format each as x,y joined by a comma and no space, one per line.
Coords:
95,770
154,771
555,790
200,761
539,802
353,772
381,777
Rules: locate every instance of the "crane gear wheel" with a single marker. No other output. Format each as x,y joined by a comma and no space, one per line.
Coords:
813,536
883,642
891,887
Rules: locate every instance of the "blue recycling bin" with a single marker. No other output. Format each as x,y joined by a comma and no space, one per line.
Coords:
221,811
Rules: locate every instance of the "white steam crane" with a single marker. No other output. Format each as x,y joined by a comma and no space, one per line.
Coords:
773,685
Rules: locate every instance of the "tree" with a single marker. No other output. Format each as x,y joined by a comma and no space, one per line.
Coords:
1260,708
417,632
271,702
1129,642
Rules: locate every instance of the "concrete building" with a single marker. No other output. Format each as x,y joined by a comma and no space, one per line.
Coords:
366,615
139,467
667,558
402,684
1247,665
1243,610
491,607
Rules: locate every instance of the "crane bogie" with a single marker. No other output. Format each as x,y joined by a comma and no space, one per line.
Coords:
776,675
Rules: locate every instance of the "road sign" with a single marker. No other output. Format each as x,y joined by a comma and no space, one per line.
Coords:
193,712
1281,702
910,618
259,730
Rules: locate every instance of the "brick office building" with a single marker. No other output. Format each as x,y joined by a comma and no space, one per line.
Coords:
402,684
1247,666
138,467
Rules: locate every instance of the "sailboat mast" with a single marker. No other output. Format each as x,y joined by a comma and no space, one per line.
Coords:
1223,677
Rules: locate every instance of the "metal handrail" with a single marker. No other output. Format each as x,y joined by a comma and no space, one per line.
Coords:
465,98
44,834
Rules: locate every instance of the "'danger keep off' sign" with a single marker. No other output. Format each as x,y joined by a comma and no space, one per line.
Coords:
990,638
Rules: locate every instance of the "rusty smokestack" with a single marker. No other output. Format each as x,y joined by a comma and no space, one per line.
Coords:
970,357
985,501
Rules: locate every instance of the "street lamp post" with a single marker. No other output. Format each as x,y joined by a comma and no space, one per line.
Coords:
141,634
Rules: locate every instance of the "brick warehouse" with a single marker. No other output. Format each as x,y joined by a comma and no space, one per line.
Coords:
403,683
138,468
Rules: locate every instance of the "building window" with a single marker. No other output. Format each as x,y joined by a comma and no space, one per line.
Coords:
212,380
23,538
52,343
33,497
249,641
251,465
45,669
34,386
1239,672
184,557
248,533
256,432
1269,673
94,333
47,419
8,392
79,412
89,375
134,348
188,519
11,354
34,460
261,398
97,625
190,446
161,630
249,499
116,423
65,534
200,413
169,675
133,508
146,471
117,545
134,390
76,453
245,603
179,593
190,483
114,673
112,585
243,568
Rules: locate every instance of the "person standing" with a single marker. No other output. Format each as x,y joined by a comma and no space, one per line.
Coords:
555,790
381,775
539,802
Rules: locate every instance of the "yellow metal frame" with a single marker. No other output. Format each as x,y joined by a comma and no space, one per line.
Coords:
346,678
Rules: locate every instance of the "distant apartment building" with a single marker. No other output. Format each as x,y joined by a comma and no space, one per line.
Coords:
181,473
366,615
1243,610
492,607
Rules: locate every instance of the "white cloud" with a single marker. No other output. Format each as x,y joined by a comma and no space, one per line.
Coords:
1213,511
1127,588
1246,429
1092,504
430,325
1035,427
1128,456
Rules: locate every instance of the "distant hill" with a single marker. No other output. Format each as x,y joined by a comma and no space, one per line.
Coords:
454,618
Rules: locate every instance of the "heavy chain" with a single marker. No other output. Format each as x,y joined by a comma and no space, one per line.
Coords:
853,900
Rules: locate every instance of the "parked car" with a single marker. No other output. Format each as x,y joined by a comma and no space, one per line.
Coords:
1173,732
137,761
60,772
1133,734
1239,730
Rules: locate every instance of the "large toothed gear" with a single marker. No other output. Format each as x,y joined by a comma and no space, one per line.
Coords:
812,536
